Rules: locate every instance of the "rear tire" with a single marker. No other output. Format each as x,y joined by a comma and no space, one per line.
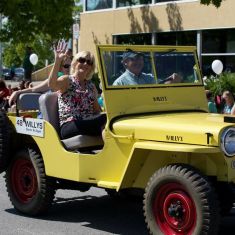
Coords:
29,189
179,200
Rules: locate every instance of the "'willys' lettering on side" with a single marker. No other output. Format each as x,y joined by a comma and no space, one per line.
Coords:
159,98
174,138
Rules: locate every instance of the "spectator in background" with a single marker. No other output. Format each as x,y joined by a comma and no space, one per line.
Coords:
28,84
22,85
228,98
211,104
28,67
4,93
12,72
3,89
9,89
15,89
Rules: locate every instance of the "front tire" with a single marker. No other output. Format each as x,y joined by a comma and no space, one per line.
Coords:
179,200
29,189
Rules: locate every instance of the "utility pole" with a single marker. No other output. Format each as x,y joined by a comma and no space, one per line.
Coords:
76,31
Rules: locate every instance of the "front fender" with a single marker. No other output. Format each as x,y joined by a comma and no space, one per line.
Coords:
147,156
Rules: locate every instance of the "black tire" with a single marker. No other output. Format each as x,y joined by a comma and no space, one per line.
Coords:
4,141
29,189
179,200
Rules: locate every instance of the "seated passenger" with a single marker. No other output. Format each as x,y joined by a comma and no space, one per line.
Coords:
79,111
134,64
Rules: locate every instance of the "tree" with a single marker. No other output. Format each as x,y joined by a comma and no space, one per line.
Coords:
217,3
15,52
28,18
12,55
36,24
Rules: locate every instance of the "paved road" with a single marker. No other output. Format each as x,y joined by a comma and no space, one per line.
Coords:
92,213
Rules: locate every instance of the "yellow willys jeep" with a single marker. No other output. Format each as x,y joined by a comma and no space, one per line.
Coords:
159,140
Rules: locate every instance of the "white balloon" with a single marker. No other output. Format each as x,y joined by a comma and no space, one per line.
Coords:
33,59
217,66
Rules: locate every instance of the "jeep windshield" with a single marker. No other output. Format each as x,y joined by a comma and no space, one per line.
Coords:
143,79
156,66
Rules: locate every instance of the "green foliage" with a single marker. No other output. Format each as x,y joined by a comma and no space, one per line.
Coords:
36,24
216,3
14,53
226,81
77,8
26,19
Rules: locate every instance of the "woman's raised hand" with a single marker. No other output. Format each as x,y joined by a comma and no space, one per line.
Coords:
60,50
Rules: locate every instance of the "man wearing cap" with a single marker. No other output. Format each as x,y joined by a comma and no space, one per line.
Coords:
134,64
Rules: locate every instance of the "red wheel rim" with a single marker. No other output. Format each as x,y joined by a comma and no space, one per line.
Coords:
24,180
174,210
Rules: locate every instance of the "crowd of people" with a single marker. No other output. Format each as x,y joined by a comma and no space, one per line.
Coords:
6,91
224,104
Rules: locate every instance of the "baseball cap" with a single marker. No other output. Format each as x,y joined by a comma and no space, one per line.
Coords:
131,54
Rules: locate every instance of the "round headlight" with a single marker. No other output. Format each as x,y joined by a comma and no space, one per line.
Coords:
227,142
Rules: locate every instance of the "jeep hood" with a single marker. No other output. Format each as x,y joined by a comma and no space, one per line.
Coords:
191,127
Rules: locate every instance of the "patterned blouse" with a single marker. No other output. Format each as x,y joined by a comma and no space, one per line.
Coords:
76,102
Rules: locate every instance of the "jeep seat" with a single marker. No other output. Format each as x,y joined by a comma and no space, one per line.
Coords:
28,101
48,103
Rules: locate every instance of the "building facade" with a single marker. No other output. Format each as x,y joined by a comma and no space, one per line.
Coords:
161,22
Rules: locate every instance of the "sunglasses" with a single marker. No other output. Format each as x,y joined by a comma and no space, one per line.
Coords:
66,66
84,60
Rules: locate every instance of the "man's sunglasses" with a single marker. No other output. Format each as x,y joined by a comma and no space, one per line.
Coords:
66,66
84,60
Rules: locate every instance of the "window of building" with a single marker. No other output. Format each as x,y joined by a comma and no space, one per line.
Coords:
92,5
218,44
124,3
228,62
218,41
186,38
135,39
157,1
